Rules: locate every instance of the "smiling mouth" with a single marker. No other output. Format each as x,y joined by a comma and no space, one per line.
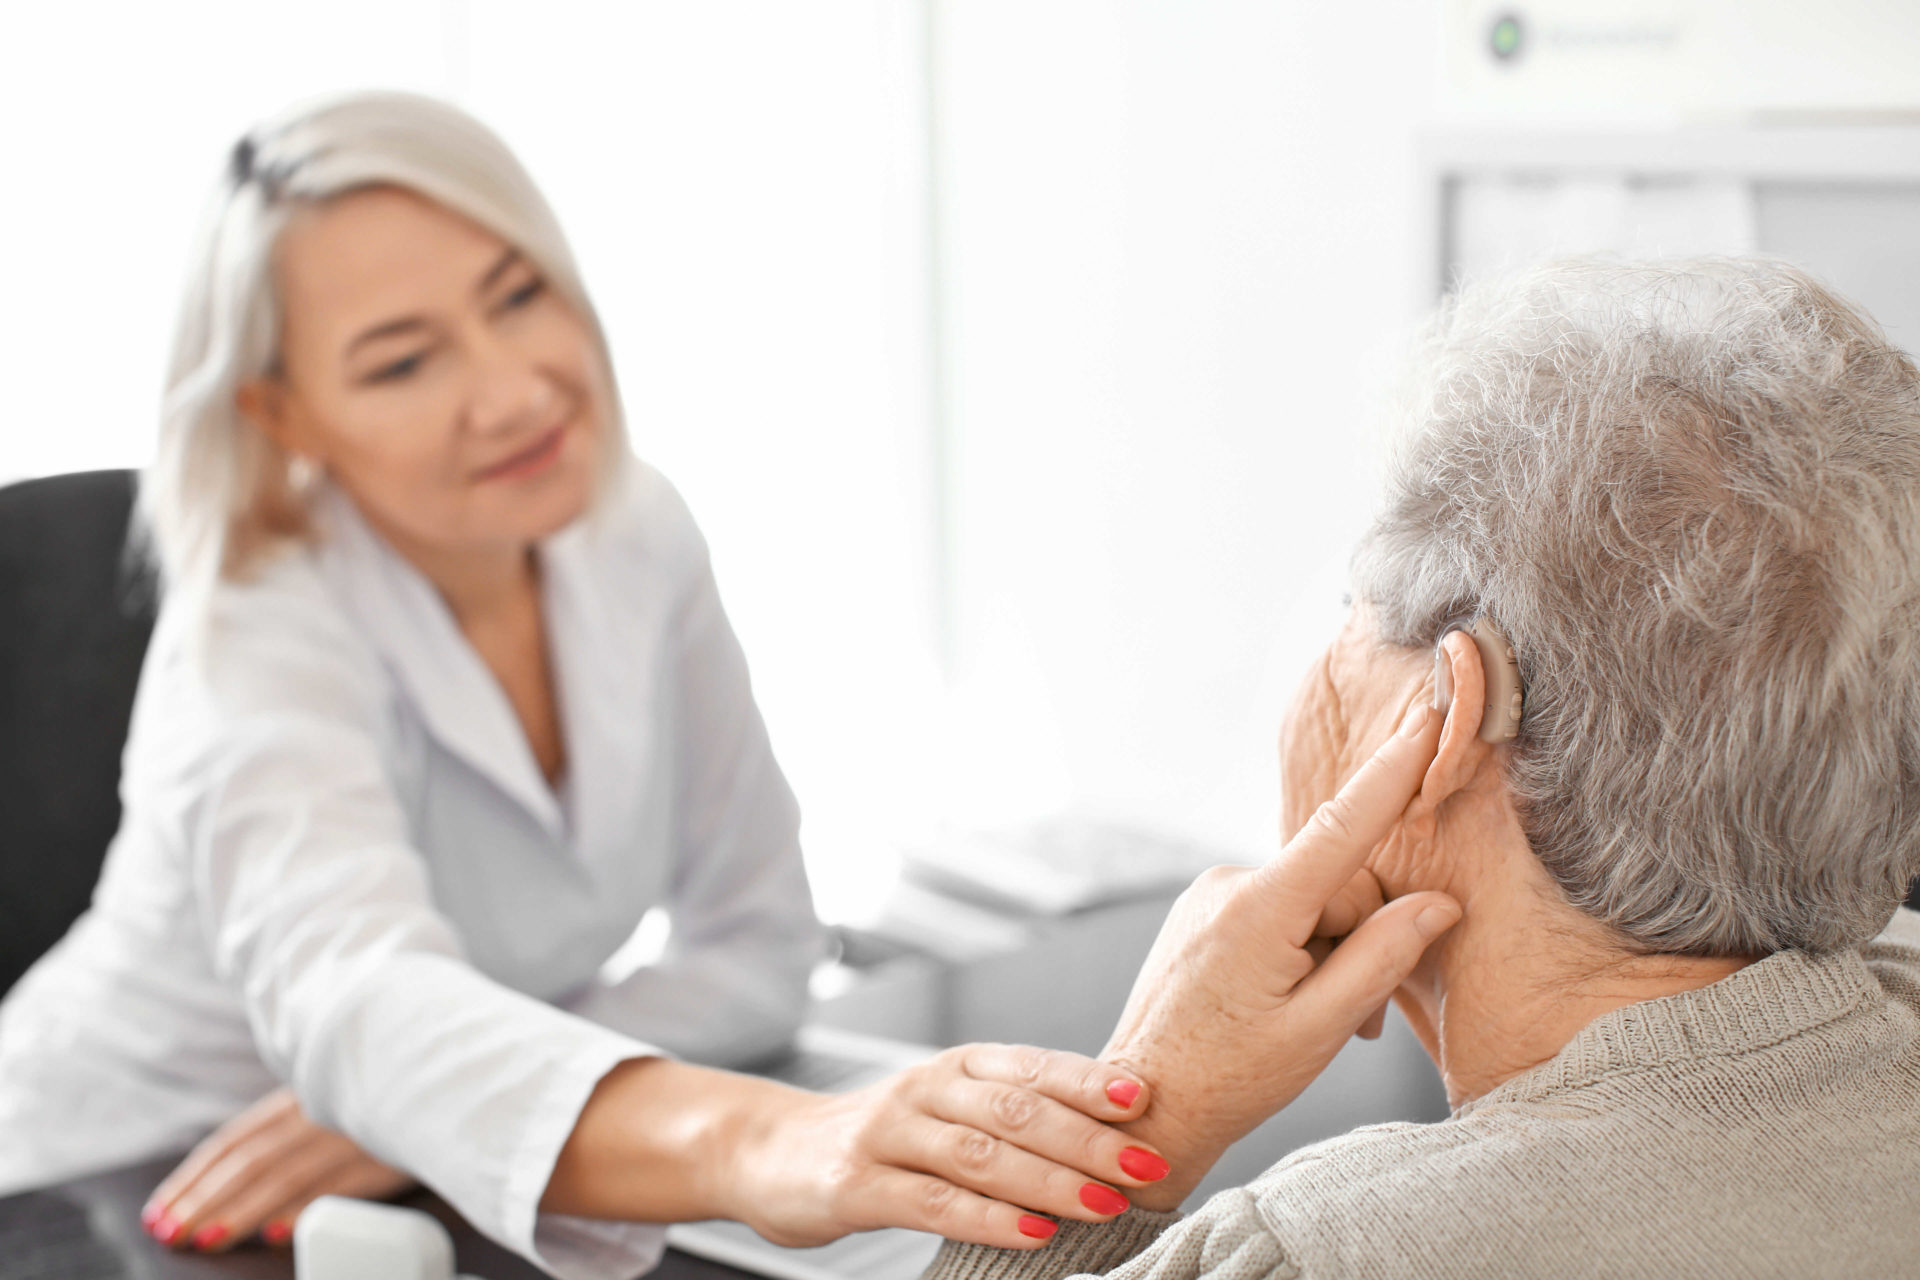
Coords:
535,457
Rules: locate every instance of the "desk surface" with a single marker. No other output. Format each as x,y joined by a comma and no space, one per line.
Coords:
89,1229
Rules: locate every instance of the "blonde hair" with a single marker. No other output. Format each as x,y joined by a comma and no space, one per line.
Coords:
218,496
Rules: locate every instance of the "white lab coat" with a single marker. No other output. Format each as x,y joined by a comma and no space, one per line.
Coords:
340,867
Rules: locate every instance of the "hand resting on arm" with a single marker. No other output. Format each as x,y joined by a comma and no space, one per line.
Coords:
972,1144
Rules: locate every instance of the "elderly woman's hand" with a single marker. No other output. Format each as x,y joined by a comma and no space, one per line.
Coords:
1234,1013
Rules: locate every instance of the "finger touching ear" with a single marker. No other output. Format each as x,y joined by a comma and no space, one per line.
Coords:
1359,898
1460,694
1364,971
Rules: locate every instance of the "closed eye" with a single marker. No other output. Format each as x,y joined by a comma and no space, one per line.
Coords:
524,294
400,369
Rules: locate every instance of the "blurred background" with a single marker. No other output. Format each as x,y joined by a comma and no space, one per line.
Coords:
1023,360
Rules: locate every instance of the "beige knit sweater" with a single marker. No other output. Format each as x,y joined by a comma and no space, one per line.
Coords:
1766,1125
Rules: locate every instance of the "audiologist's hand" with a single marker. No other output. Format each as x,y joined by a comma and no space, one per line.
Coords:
975,1144
256,1172
986,1143
1235,1011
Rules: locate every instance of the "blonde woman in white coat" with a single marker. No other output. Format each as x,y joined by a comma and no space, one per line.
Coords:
442,700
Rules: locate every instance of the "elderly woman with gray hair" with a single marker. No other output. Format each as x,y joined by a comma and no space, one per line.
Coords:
1665,976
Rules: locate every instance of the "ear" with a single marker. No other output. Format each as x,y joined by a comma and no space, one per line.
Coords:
266,403
1460,692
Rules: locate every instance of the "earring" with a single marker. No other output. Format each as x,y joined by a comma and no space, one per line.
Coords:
303,473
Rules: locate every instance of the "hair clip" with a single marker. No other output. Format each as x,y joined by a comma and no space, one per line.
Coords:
241,163
245,166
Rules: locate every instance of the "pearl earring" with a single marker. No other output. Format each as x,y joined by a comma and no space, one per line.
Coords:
303,473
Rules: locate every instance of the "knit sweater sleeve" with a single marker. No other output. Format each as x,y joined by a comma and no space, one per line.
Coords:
1226,1240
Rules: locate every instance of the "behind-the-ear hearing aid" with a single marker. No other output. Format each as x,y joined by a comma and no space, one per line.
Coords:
1500,722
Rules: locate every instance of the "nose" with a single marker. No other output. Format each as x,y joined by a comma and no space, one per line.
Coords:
510,392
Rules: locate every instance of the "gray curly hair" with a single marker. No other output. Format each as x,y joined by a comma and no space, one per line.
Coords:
1689,493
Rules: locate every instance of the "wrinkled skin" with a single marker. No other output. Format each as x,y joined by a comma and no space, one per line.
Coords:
1224,1021
1351,697
1261,975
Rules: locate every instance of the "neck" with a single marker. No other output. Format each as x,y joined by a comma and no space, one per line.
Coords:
1523,973
478,583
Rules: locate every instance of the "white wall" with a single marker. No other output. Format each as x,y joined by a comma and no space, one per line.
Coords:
1178,245
115,119
744,182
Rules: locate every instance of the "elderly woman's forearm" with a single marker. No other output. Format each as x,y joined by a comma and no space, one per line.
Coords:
1081,1248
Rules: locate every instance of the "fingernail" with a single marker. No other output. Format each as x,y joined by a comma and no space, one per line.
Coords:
152,1214
1102,1199
1436,920
1416,721
1123,1092
1143,1165
167,1230
277,1233
1038,1228
209,1236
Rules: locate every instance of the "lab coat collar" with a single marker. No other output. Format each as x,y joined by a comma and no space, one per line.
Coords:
456,694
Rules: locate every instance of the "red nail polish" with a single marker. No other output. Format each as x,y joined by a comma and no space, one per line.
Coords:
1143,1165
167,1230
1122,1093
152,1214
209,1236
1102,1199
277,1233
1038,1228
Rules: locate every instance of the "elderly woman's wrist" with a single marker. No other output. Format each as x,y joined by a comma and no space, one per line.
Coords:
1079,1248
1173,1126
1189,1155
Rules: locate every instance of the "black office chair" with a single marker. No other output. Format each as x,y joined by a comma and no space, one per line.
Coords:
74,623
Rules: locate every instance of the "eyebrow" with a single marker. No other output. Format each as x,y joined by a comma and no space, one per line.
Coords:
500,267
407,324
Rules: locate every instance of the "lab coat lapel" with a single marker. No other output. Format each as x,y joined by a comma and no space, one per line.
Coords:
459,699
606,696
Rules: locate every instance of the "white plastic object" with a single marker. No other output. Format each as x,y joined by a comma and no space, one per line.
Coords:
336,1238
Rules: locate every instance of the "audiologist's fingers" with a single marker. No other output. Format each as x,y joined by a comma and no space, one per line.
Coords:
1315,864
1093,1088
272,1121
236,1195
904,1198
243,1205
362,1178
